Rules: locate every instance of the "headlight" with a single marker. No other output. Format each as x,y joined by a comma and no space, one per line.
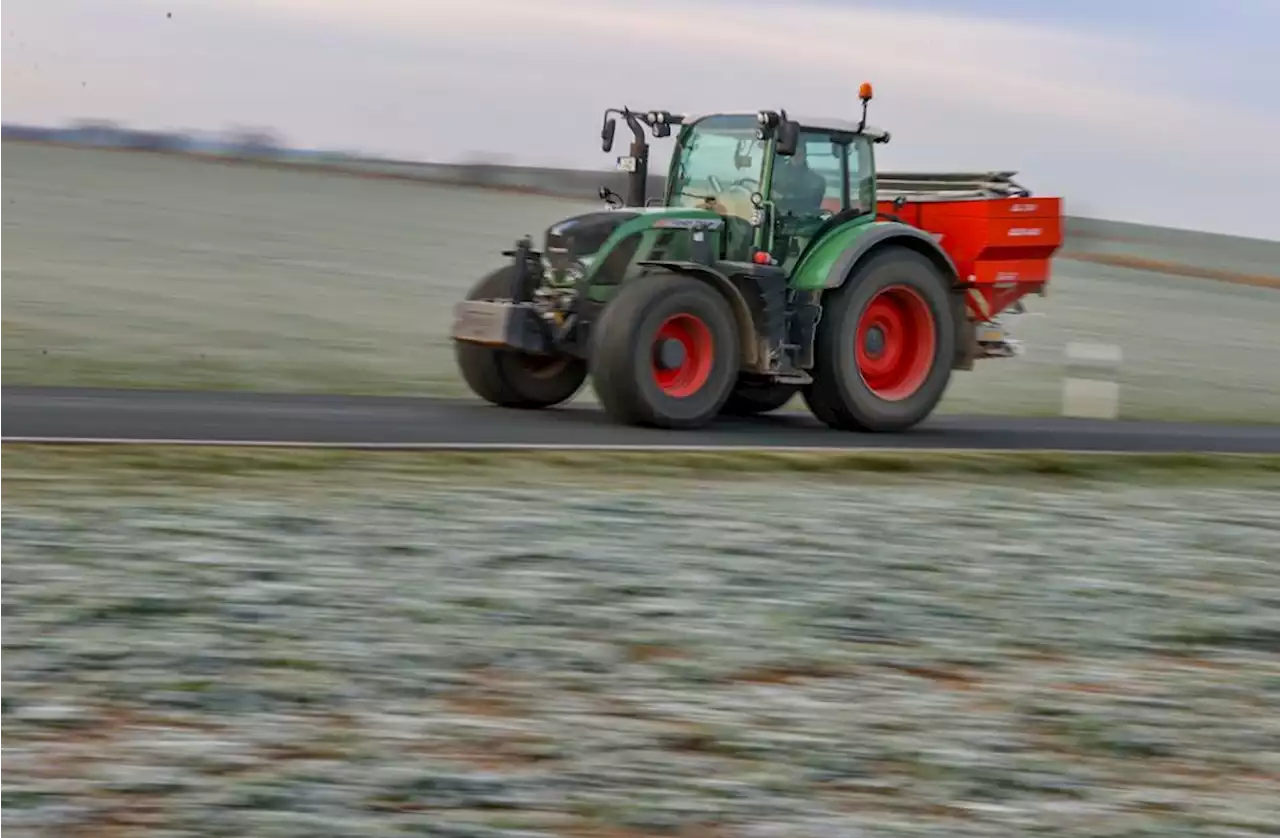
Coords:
575,272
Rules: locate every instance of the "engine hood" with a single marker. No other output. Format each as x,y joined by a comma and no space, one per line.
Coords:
582,235
579,238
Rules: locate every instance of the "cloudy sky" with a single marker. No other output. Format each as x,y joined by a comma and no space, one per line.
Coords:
1160,111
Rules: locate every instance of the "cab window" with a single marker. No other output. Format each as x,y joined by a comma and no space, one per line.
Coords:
828,173
718,164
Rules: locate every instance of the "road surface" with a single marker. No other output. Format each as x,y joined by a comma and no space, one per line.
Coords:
86,415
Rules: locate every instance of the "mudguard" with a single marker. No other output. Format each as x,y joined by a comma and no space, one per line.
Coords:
830,263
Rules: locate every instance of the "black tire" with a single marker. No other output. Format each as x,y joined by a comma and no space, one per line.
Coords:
840,394
623,371
754,399
509,378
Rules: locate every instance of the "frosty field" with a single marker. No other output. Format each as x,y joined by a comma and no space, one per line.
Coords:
369,648
141,270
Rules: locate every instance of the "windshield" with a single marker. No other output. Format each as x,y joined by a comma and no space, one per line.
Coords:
720,160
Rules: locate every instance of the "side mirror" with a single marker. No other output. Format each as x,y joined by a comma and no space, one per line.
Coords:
606,134
788,138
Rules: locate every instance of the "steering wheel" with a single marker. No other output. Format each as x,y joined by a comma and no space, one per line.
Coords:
743,183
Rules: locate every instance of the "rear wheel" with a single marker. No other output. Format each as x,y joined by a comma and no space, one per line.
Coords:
754,399
665,352
884,346
509,378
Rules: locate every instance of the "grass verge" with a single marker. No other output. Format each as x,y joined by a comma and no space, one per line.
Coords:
29,465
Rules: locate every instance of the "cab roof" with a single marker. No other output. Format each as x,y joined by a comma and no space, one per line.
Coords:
817,123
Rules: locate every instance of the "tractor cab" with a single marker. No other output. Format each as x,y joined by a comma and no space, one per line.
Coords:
777,182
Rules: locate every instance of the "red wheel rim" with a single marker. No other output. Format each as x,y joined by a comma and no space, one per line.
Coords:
695,350
895,343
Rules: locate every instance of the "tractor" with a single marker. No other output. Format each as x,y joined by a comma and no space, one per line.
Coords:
776,262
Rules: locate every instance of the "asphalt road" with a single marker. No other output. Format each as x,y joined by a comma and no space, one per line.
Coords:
74,414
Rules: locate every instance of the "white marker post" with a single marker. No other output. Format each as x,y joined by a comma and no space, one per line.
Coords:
1090,389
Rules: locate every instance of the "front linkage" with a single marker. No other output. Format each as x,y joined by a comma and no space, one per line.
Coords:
513,323
520,322
523,280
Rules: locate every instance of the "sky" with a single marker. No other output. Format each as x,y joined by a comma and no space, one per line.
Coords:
1155,112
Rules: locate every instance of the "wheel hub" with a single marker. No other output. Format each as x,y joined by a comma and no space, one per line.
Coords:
682,355
873,343
669,354
895,343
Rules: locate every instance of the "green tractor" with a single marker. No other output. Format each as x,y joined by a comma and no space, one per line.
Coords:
768,268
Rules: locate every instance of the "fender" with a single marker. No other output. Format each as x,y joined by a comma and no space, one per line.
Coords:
874,238
883,234
748,344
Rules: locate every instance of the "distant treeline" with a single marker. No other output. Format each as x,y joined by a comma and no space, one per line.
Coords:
257,143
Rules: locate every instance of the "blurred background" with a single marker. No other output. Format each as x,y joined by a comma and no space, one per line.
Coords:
1152,112
164,269
290,195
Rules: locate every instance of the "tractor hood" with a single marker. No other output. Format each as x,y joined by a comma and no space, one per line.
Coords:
579,237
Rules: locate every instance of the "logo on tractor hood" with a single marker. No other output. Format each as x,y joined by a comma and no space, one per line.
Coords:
705,223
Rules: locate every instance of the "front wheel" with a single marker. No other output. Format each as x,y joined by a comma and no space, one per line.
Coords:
665,352
509,378
885,345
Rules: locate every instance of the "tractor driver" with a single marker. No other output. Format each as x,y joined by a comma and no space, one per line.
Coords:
797,193
797,189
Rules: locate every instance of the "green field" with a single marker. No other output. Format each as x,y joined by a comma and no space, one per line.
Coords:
126,269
